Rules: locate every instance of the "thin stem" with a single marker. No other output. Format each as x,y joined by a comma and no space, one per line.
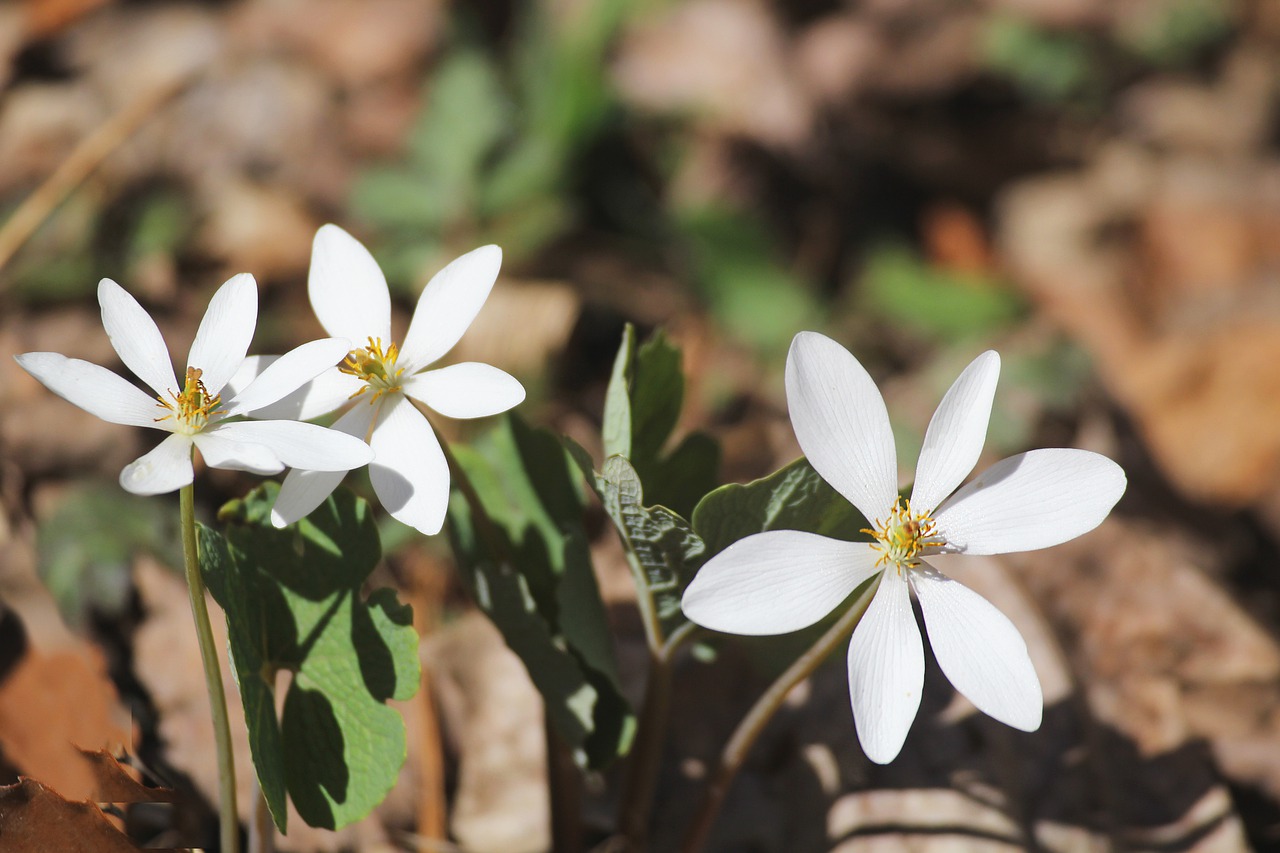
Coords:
564,786
636,800
229,821
262,830
745,735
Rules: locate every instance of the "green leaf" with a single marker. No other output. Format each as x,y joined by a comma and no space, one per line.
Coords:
642,407
662,549
791,498
293,603
524,553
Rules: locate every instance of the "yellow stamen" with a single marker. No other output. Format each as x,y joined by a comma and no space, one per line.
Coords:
376,367
903,535
195,405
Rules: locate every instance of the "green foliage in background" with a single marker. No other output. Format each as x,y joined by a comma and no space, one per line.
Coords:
523,552
940,306
492,155
293,603
86,547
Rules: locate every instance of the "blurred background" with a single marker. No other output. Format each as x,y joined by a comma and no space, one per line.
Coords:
1091,187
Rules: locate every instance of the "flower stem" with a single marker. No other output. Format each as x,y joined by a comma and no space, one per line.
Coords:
744,736
645,760
229,821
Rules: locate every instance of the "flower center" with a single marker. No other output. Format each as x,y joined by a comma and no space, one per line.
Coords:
903,535
194,406
376,367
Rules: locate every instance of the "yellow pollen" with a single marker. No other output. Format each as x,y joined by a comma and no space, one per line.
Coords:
903,535
376,367
195,405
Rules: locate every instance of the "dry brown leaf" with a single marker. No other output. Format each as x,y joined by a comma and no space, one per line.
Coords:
35,818
50,704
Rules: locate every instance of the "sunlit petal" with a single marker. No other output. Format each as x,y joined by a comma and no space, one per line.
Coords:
93,388
980,651
466,390
886,670
223,450
284,375
225,332
841,423
302,491
167,468
136,338
775,582
448,304
300,445
409,472
954,440
347,288
1029,501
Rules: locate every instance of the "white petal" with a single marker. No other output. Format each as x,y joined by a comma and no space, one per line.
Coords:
448,304
167,468
775,582
980,651
841,423
93,388
225,331
282,376
302,491
136,338
954,440
300,445
886,670
221,450
348,291
466,390
250,369
320,396
1029,501
409,473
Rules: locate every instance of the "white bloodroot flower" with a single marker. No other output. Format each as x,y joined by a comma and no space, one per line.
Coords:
383,378
784,580
193,410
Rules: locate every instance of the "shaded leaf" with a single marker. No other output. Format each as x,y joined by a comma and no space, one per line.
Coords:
293,603
791,498
524,553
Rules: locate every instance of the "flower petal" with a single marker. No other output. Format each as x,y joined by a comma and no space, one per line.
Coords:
954,440
93,388
466,390
775,582
225,331
221,450
979,650
1029,501
886,670
167,468
302,491
348,290
300,445
279,377
320,396
841,423
409,473
448,304
136,338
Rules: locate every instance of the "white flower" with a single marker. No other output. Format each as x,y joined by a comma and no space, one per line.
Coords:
193,411
350,298
780,581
